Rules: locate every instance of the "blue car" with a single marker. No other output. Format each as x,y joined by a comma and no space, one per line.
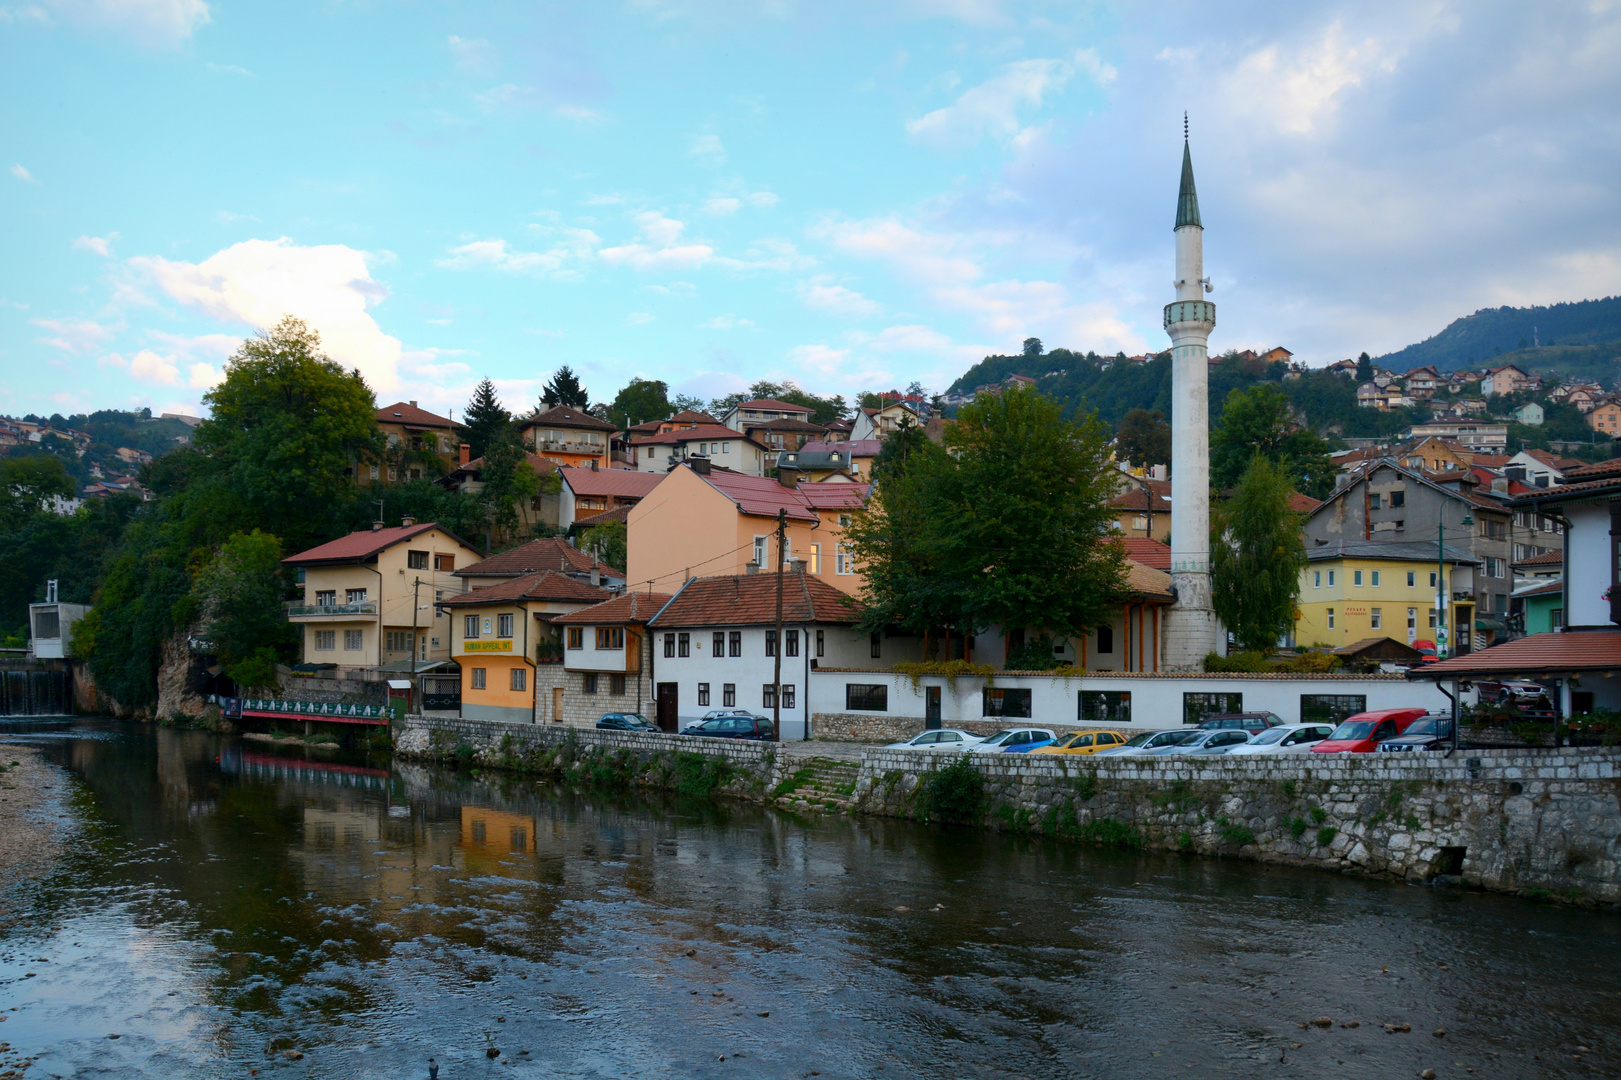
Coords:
1014,741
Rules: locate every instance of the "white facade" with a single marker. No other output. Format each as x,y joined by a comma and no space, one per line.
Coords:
50,628
736,453
1587,558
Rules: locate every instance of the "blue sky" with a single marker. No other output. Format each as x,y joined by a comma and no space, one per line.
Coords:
851,196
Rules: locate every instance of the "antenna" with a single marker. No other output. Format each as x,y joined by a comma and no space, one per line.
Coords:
1184,125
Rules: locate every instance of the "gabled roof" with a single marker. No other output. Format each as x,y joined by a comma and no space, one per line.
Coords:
620,514
1547,558
1535,655
690,416
566,416
751,599
545,585
618,483
547,553
363,546
1150,553
1612,467
541,465
1303,504
1381,644
771,403
1147,583
786,423
856,448
623,610
763,497
404,412
692,434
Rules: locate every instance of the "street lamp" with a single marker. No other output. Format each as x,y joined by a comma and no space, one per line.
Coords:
1441,642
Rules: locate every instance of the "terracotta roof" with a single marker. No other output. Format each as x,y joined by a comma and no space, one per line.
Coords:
546,585
403,412
1547,558
541,465
769,403
852,447
1612,467
548,553
1554,461
619,483
783,424
630,608
1488,461
620,514
1578,650
841,425
751,599
1150,553
359,546
763,497
650,427
566,416
1572,492
692,434
1148,583
1356,648
1303,504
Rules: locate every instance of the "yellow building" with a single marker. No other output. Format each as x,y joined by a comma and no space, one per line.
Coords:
503,641
369,597
1356,589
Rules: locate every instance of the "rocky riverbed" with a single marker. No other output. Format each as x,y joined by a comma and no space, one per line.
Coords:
32,822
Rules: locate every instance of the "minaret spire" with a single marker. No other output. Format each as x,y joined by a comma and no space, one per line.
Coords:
1187,199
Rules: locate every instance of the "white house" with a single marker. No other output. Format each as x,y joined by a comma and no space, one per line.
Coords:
718,443
760,410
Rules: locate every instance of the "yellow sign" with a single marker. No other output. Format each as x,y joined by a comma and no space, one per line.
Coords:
501,645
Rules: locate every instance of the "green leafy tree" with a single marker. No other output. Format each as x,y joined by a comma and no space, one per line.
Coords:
1258,420
485,418
511,489
27,486
640,400
564,389
1364,368
608,542
1144,438
687,403
1032,346
1257,552
238,595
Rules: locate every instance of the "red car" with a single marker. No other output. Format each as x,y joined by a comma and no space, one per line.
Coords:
1360,734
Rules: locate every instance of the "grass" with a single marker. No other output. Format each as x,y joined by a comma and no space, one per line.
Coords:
1111,833
794,783
1326,835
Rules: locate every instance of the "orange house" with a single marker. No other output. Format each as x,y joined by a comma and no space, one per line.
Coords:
568,436
701,521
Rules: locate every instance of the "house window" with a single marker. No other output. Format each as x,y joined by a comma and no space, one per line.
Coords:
1331,579
399,641
503,624
469,626
1432,618
1398,498
843,561
610,637
737,643
1331,618
1356,577
1376,618
719,644
355,596
669,645
759,551
576,637
866,697
1330,708
792,646
768,697
590,682
478,678
683,644
1196,707
1006,702
1411,579
703,695
616,685
1375,581
326,597
416,560
813,562
1105,640
1432,579
1412,621
877,640
1373,501
520,678
351,641
371,471
1557,618
326,640
821,643
1103,706
1317,579
444,563
728,694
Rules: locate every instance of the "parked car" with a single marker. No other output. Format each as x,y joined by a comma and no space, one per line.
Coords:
716,714
1014,741
1361,733
1205,742
1252,722
939,739
1521,696
1433,732
733,726
1428,649
1083,742
1149,741
1288,739
625,721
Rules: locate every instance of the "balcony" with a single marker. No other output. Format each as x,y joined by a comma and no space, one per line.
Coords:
297,610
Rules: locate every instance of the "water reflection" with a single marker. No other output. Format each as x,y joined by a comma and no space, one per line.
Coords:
223,904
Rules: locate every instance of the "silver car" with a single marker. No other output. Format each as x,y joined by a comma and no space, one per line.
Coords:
1150,741
1289,739
939,739
1205,743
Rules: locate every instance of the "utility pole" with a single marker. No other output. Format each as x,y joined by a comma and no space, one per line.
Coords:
776,658
415,585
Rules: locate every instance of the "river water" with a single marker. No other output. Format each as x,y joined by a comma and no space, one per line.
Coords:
218,905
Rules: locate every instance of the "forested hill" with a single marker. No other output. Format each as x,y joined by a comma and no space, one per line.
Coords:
1491,333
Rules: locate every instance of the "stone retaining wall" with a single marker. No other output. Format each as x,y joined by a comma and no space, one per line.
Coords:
884,728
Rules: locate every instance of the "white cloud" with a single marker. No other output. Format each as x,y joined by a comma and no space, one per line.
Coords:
681,290
707,150
496,254
475,56
258,281
23,174
515,96
99,245
639,318
725,322
33,13
721,205
992,107
724,203
75,336
148,22
824,294
148,366
231,69
911,338
1296,91
658,247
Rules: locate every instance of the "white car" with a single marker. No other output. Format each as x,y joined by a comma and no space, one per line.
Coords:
1289,739
1205,742
939,739
1149,741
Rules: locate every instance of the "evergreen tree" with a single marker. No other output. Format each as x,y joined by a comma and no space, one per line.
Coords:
485,418
1257,552
564,389
1364,369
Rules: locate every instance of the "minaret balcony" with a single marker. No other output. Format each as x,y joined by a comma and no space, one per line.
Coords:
1201,312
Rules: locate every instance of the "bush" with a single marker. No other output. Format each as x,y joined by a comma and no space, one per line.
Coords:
1036,654
1326,835
1111,833
1307,663
954,793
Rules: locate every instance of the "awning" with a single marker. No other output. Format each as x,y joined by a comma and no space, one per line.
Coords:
1491,624
1535,656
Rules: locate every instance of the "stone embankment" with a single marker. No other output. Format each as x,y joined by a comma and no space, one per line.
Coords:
1539,823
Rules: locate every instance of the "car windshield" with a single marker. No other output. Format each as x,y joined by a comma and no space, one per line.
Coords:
1428,726
999,738
635,718
1353,729
1172,738
1267,738
1199,738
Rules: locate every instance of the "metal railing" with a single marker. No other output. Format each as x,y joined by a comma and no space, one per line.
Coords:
315,708
363,607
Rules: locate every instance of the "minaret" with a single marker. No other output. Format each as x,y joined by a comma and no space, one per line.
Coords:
1190,627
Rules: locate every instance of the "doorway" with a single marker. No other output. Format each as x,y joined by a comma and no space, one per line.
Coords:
931,708
668,700
557,704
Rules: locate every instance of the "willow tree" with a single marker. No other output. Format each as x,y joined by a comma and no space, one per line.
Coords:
1257,552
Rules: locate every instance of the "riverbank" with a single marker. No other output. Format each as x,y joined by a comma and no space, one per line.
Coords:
32,822
1537,823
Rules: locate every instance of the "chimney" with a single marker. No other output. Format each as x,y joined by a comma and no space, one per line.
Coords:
593,464
376,526
407,521
700,465
413,404
788,476
1500,485
467,453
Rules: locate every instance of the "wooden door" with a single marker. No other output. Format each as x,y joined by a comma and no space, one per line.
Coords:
668,701
557,704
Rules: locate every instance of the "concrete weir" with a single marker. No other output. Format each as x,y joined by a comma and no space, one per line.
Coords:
1537,823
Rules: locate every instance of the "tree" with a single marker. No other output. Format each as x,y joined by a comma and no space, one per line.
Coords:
238,596
1032,346
1364,369
1258,420
1144,438
687,403
1257,553
608,542
27,486
564,389
485,418
641,400
510,483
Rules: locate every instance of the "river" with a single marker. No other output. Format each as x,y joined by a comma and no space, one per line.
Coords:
220,908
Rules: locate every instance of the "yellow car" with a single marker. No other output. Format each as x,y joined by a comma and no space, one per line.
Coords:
1083,742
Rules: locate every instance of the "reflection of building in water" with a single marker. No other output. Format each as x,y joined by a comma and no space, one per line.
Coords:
488,836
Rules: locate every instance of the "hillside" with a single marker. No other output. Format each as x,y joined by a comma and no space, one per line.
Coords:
1494,334
109,429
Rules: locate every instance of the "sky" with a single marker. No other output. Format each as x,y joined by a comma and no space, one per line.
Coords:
851,196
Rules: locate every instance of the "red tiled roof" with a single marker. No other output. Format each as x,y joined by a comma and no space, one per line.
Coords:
692,434
783,424
1145,582
751,599
1150,553
618,483
403,412
763,497
1132,498
1588,472
359,546
690,416
541,465
548,553
545,585
630,608
566,416
769,403
1563,464
1547,558
1579,650
620,514
1303,504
